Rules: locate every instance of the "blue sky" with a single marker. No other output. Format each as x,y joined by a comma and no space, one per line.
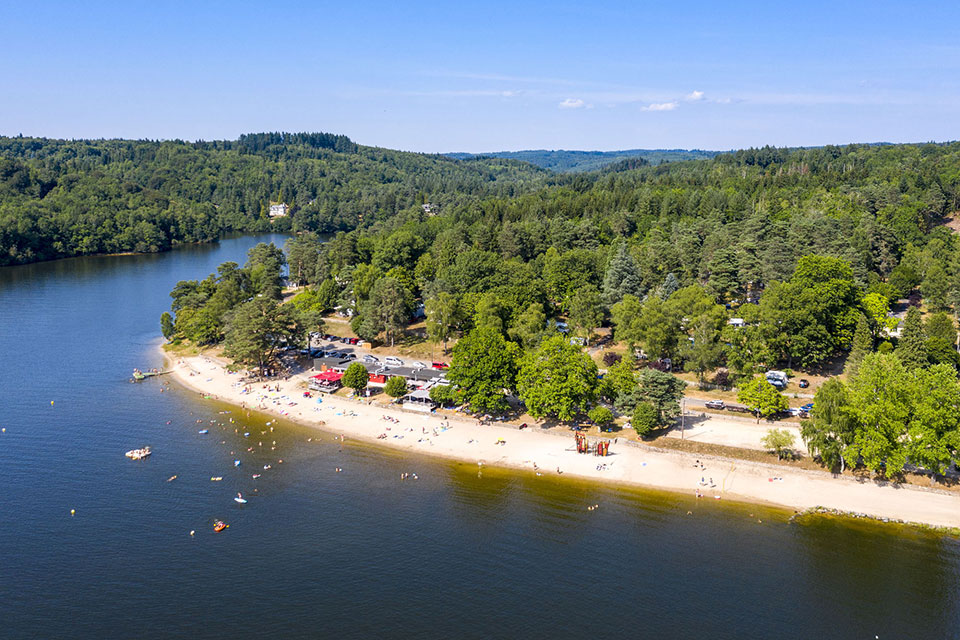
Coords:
472,76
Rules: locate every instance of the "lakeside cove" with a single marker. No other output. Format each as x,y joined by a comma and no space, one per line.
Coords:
553,451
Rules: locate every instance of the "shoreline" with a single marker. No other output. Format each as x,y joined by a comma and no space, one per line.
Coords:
549,453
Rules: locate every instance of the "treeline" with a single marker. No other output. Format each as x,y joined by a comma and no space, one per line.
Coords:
61,198
241,308
817,238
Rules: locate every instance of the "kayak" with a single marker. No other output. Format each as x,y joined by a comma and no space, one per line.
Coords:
203,432
240,500
236,463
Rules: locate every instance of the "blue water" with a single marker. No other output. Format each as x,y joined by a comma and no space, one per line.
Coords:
359,554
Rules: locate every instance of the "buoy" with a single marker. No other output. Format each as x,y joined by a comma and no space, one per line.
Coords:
4,429
73,511
51,403
192,532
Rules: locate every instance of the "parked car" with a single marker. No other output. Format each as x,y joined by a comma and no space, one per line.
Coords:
807,407
715,404
804,383
441,366
353,341
419,365
371,359
393,361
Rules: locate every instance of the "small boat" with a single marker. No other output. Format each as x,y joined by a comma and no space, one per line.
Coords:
216,478
203,432
255,476
171,478
236,463
266,466
138,454
240,499
219,526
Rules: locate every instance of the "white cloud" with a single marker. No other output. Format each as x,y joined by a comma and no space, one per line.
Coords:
661,106
571,103
694,96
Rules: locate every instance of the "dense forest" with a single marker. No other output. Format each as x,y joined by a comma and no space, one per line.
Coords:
563,161
61,198
726,267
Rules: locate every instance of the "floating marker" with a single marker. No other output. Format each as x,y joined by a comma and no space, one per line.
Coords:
73,511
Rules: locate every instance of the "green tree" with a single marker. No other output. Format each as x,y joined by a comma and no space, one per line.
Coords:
880,403
832,427
490,312
387,310
556,380
935,287
585,310
530,326
484,367
933,432
600,416
442,317
663,391
396,387
166,325
265,266
446,395
622,276
644,419
812,315
356,377
724,277
619,379
703,352
877,308
256,330
762,398
626,321
778,440
862,345
911,348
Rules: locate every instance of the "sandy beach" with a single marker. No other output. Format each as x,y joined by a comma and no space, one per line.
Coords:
551,452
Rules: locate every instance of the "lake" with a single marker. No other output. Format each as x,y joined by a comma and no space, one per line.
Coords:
360,554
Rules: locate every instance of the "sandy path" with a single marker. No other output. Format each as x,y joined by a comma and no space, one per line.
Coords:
466,440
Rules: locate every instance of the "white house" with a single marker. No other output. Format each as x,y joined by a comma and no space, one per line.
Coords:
278,210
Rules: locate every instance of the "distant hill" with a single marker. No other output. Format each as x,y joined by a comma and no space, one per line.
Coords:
563,161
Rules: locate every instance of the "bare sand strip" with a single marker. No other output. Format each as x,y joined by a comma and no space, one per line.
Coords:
546,452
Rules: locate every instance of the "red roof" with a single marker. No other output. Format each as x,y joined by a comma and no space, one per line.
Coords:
328,376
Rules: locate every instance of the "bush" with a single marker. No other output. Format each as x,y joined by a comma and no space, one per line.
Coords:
396,387
644,418
778,440
722,379
610,358
600,416
446,394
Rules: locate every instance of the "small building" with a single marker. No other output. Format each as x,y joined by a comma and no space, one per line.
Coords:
419,400
325,364
737,322
278,210
326,382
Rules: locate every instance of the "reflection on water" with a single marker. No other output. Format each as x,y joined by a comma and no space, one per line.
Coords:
360,553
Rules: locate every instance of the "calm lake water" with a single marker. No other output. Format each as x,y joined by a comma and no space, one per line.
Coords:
359,554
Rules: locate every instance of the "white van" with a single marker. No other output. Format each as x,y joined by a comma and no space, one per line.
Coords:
393,361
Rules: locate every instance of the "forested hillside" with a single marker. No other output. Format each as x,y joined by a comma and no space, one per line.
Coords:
614,247
61,198
563,161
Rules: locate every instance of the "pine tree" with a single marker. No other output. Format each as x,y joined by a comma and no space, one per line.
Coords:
622,277
862,345
912,349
